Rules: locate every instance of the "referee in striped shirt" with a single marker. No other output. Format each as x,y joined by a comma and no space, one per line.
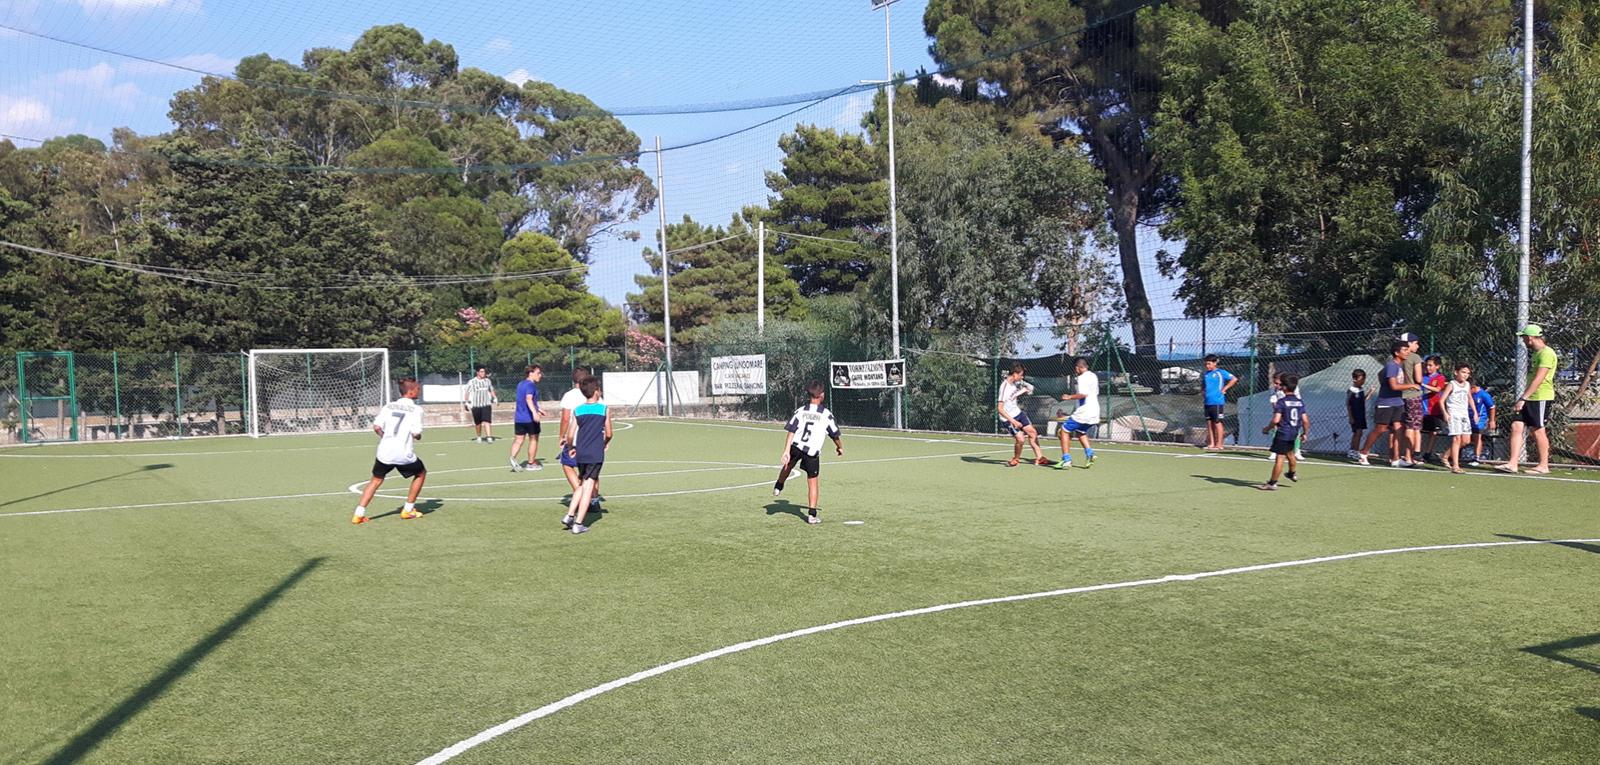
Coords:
479,399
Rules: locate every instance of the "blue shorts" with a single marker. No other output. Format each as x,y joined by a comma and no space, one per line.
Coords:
1022,419
568,457
1075,427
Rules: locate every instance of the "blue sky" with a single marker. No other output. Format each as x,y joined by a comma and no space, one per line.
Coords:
623,54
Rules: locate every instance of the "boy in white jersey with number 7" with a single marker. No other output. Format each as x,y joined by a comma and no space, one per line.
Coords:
802,445
399,427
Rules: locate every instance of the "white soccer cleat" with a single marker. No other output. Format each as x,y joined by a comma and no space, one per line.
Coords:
1361,459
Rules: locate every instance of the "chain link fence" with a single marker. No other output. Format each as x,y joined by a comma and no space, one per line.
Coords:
952,380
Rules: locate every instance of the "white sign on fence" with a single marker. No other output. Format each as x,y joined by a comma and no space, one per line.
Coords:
739,375
869,374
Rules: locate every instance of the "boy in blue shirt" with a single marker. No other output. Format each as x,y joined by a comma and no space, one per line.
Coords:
591,436
1290,418
525,423
1217,382
1483,421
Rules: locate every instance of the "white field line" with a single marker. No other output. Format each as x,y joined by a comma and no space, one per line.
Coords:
5,451
264,452
357,488
456,749
1141,452
173,504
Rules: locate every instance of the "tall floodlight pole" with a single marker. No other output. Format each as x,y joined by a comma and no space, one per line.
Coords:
761,278
894,217
1526,234
666,274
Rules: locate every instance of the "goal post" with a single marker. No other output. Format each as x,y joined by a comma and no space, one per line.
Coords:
316,390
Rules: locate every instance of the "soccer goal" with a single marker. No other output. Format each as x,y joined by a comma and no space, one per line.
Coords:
316,390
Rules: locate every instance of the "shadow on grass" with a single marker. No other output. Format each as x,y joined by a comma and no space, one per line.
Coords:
131,706
785,506
425,507
976,460
1228,481
1584,546
135,471
1556,651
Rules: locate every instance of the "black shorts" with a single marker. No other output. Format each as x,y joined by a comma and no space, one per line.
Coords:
589,471
1214,412
409,470
1280,446
482,414
811,463
1386,414
1433,423
1358,421
527,428
1535,414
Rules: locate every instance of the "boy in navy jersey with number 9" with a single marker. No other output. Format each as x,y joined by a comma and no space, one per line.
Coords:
802,445
1289,417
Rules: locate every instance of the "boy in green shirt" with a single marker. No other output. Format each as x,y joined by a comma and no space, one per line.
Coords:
1533,406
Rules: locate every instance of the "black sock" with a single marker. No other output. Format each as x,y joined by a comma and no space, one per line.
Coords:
813,511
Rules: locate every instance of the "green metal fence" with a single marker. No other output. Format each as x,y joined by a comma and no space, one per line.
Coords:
952,380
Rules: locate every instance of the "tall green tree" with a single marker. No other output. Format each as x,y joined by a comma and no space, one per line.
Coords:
549,313
1305,147
997,222
1085,73
542,158
232,212
713,278
834,187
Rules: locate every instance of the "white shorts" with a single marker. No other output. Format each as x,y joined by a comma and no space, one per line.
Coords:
1460,426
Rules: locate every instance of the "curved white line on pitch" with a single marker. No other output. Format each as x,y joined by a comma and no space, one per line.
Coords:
456,749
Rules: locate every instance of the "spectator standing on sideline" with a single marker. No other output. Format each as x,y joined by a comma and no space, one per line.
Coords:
1217,382
479,398
1412,396
1534,405
1483,423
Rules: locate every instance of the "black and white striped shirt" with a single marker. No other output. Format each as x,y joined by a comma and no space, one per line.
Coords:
811,425
480,392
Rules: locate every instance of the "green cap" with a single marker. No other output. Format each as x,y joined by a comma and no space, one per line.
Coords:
1532,330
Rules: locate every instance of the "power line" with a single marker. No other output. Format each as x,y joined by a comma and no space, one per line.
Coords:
268,281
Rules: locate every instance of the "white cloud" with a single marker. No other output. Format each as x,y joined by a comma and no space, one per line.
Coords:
205,62
499,43
856,106
100,81
521,76
954,83
29,117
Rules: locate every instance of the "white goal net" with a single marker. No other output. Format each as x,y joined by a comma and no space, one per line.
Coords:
316,390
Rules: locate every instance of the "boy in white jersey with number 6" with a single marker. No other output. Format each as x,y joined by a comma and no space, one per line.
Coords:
802,445
399,427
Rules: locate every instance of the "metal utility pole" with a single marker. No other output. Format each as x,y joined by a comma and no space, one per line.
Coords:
894,217
761,278
666,274
1526,233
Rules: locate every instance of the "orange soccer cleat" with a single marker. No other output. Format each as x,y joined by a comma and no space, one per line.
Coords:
410,514
358,519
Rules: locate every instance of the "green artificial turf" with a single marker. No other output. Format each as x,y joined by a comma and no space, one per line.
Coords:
273,630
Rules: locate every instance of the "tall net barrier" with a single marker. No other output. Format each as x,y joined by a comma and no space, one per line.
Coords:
316,391
952,382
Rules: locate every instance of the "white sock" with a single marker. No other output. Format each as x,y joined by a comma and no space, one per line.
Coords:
360,510
411,506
